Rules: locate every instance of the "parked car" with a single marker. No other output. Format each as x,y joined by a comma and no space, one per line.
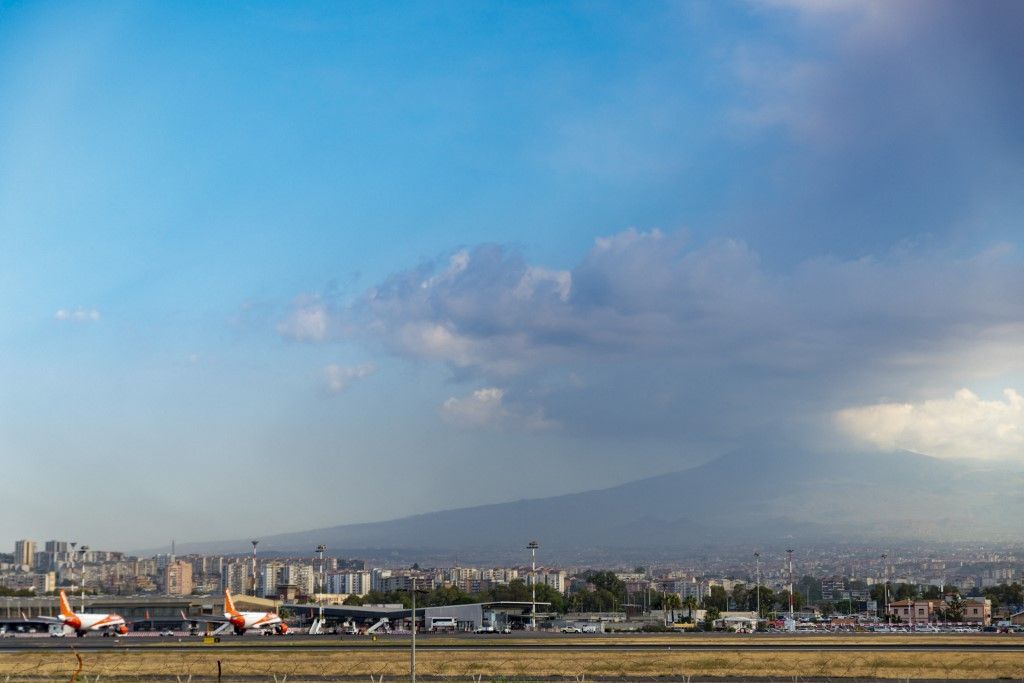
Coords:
571,629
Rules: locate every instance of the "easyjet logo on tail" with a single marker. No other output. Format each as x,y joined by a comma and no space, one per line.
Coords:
65,608
229,605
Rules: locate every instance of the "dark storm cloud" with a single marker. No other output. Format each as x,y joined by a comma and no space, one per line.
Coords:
649,334
880,203
902,121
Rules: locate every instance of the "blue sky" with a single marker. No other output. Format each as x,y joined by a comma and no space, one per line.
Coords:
440,254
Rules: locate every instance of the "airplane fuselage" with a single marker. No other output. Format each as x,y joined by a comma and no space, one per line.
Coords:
92,622
243,621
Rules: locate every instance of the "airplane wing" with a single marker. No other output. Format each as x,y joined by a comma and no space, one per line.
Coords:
47,620
204,619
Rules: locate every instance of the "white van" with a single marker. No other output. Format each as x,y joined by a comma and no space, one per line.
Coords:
443,624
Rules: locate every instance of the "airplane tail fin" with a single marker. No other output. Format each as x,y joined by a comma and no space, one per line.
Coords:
229,604
65,608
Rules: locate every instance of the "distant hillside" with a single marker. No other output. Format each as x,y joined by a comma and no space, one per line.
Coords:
742,497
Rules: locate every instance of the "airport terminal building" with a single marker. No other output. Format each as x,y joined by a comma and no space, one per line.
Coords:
469,617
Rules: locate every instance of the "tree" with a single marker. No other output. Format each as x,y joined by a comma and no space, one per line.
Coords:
1010,595
782,601
710,616
690,603
767,600
809,588
671,601
716,598
905,591
955,609
739,596
606,580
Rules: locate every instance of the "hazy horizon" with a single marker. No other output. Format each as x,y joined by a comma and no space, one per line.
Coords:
268,268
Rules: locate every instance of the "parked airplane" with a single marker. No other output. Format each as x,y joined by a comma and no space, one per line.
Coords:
243,621
83,622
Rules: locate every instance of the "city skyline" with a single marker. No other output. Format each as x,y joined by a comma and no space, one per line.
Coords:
353,263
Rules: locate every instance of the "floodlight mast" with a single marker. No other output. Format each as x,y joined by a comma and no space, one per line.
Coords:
757,574
320,550
789,552
254,542
532,547
84,549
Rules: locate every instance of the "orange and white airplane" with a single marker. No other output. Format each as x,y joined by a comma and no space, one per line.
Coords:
243,621
83,622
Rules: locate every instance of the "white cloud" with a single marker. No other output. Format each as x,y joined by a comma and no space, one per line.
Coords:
535,277
487,409
339,377
308,321
964,426
77,315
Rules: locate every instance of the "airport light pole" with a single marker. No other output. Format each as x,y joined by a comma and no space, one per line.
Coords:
412,649
885,589
71,561
532,547
84,549
254,542
757,579
320,549
789,553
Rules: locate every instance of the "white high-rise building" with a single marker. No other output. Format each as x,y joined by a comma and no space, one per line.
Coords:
270,578
377,578
555,578
349,583
236,576
24,552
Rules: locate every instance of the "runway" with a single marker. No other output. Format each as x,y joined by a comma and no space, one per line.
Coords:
305,644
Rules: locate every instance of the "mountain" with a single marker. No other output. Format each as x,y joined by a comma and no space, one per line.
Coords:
764,496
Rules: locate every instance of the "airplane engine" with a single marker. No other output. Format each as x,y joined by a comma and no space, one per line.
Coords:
122,629
281,629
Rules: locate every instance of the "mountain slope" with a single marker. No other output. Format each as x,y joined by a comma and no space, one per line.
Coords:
767,497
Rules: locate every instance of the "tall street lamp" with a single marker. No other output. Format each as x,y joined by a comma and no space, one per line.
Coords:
532,547
320,549
84,549
885,588
412,649
71,562
789,552
757,574
254,542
